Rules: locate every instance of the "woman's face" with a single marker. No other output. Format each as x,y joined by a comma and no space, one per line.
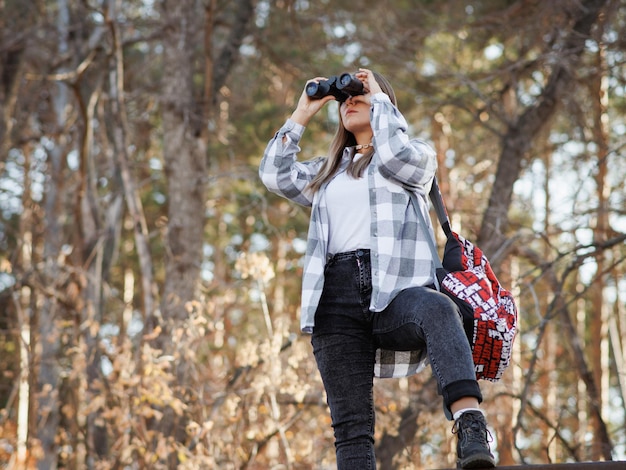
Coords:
355,113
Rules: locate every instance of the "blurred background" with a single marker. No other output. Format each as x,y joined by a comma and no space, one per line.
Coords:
150,285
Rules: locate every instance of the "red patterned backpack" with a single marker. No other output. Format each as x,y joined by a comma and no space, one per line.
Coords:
488,309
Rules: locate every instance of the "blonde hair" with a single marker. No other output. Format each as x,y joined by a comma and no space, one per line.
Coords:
344,138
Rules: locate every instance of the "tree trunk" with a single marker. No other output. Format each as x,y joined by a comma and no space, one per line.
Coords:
598,312
185,139
505,420
582,402
23,305
184,153
48,345
592,394
549,380
11,72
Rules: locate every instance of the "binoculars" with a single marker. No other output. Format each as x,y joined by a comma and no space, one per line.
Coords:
342,87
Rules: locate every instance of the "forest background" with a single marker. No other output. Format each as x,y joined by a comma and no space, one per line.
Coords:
149,284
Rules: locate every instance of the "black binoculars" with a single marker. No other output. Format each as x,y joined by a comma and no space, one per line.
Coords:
342,87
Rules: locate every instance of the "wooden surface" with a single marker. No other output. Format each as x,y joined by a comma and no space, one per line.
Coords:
569,466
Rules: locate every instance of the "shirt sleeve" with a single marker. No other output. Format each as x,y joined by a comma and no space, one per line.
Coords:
281,172
411,163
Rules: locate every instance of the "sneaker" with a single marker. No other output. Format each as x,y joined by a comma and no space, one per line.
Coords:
472,448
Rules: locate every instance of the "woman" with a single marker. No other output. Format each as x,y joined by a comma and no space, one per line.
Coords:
368,296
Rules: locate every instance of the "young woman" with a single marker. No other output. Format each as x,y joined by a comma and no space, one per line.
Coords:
368,298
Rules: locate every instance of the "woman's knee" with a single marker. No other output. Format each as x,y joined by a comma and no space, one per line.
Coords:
428,302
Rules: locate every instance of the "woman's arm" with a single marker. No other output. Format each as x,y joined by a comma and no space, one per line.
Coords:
410,162
280,170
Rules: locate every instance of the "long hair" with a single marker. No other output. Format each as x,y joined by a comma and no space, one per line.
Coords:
344,138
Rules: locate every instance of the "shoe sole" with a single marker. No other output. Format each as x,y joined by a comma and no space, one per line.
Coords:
476,461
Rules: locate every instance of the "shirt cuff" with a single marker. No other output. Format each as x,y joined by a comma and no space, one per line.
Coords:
293,128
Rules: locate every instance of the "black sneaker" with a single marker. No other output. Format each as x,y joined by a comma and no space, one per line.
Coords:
472,448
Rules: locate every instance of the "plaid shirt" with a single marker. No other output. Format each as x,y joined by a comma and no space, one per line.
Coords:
400,256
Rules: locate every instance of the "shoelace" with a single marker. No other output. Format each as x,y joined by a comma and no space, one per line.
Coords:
473,429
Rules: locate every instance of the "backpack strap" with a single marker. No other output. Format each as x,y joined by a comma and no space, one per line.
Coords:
440,207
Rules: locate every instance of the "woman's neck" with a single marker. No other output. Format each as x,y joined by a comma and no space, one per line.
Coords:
363,140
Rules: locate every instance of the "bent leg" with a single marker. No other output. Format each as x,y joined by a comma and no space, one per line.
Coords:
422,317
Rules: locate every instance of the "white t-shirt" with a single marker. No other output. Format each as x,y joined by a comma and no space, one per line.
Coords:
349,215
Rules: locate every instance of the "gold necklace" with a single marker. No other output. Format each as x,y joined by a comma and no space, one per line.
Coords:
363,146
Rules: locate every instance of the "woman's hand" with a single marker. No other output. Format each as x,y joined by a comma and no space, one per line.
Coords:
308,107
369,82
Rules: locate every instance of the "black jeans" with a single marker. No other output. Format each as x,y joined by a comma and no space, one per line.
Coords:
346,336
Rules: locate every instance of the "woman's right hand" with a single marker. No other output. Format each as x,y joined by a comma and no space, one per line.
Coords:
308,107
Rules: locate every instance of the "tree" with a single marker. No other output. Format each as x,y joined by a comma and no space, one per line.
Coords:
521,130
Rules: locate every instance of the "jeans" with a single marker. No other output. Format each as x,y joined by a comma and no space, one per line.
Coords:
346,336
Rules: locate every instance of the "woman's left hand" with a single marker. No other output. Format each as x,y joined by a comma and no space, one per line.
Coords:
369,82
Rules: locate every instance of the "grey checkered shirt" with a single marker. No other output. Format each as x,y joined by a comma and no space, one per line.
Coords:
400,255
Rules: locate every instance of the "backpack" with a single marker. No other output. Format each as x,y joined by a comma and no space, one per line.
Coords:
487,309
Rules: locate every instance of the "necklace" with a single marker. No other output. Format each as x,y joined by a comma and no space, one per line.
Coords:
363,146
